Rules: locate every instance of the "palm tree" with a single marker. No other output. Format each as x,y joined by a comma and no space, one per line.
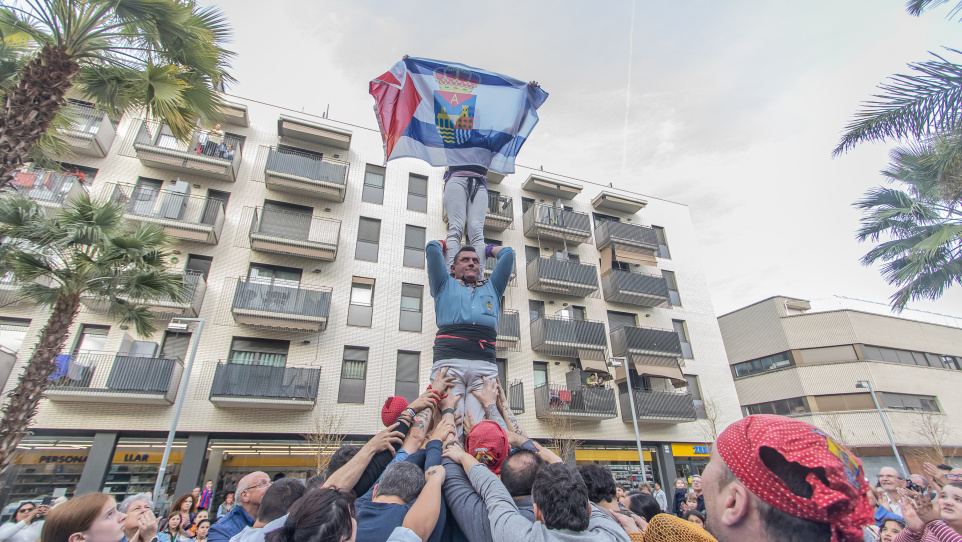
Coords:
917,231
162,56
87,252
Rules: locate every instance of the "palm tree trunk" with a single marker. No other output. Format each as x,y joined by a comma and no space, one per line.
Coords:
23,400
32,105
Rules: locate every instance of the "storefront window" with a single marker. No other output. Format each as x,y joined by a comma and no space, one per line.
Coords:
623,463
44,467
134,469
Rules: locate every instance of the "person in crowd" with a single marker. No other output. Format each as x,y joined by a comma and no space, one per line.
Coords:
660,496
201,140
623,502
681,490
90,518
201,516
696,489
773,478
203,526
140,524
891,481
890,530
206,495
421,521
214,138
316,481
928,520
601,486
593,381
917,482
620,492
691,503
695,517
670,528
26,523
644,505
277,500
226,506
936,474
195,493
250,490
184,505
174,528
322,515
644,488
229,152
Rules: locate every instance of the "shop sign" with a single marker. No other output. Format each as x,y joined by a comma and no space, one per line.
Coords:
61,459
690,450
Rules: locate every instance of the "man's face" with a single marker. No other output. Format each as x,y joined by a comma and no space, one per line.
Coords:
712,479
619,493
889,479
696,484
259,485
466,266
195,492
209,484
920,481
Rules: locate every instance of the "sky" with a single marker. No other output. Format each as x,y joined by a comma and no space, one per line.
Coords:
733,108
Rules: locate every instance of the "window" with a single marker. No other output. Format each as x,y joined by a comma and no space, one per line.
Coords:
618,320
368,234
198,265
540,374
894,355
174,345
286,220
88,174
12,332
353,375
694,389
952,362
526,203
682,330
249,351
418,194
411,299
215,206
361,309
91,339
373,191
673,296
843,401
760,365
414,241
662,242
600,219
406,381
784,407
535,309
572,312
143,198
274,275
531,254
905,401
502,364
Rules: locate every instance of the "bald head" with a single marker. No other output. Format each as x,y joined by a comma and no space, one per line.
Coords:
890,479
250,490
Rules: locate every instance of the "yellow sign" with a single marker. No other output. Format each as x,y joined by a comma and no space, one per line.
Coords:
77,457
691,450
611,455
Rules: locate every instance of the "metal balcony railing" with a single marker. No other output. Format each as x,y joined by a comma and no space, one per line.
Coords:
509,330
516,396
489,264
634,288
659,406
642,341
236,380
195,286
305,173
201,154
562,277
109,376
622,234
273,305
500,213
90,131
46,187
184,216
548,222
579,402
556,336
294,234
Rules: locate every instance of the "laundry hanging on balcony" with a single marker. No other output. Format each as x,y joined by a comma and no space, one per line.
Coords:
449,114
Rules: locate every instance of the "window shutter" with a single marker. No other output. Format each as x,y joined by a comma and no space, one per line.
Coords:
418,185
414,237
369,230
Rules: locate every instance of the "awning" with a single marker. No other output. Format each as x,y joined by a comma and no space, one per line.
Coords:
598,366
636,258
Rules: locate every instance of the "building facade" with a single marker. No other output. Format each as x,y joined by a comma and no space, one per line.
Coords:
305,257
788,359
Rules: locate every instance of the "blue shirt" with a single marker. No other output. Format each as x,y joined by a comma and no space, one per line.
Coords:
458,304
229,525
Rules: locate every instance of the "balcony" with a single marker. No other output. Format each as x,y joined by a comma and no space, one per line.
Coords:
275,306
653,352
631,243
500,213
164,307
608,201
235,114
509,331
155,146
548,223
305,174
489,264
312,132
264,386
493,177
115,378
48,188
90,132
562,277
516,396
634,288
579,402
555,336
181,215
294,234
659,406
10,289
551,187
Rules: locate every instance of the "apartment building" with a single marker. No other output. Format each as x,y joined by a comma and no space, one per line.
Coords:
789,359
305,256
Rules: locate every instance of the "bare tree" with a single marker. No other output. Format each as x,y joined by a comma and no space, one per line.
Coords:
561,435
931,429
832,423
326,438
711,424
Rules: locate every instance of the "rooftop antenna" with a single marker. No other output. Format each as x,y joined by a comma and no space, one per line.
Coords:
328,111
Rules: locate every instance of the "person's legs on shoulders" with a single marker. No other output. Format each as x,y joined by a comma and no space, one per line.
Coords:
455,199
477,210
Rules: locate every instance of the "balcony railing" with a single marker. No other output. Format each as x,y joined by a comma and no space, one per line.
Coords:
562,277
90,131
155,145
242,385
555,336
164,307
115,378
546,222
281,306
294,234
47,188
509,331
500,213
489,264
631,243
659,406
581,402
642,341
634,288
516,396
305,174
183,216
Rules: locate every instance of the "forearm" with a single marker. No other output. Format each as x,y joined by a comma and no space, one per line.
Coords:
507,523
347,476
9,529
491,413
416,436
437,270
513,424
423,515
465,504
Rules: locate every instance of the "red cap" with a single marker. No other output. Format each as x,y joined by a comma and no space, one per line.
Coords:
767,453
393,407
488,443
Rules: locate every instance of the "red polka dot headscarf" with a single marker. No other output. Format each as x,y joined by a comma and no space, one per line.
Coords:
798,469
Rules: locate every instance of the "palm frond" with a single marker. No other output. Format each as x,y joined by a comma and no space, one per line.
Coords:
916,7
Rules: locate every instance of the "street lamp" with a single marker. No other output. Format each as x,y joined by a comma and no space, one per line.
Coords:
178,324
863,384
623,362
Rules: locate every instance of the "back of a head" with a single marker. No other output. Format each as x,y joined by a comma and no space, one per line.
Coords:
341,457
599,481
316,481
279,498
645,505
669,528
519,470
561,495
323,515
403,480
73,516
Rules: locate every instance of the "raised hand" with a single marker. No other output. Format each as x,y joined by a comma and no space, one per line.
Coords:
454,451
146,526
443,429
488,394
451,401
428,399
385,440
935,475
442,382
467,423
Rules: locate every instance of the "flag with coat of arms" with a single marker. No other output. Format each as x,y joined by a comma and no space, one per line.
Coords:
449,114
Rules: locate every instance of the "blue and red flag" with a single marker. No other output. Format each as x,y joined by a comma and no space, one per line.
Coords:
449,114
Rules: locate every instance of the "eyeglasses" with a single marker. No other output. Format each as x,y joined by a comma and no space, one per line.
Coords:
954,477
888,477
25,510
260,485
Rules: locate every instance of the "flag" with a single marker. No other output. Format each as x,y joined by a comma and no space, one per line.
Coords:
449,114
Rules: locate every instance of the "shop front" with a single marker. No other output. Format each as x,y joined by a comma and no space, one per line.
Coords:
624,464
690,459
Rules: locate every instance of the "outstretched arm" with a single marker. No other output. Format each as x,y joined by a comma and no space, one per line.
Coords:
437,271
424,513
488,396
502,270
349,476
